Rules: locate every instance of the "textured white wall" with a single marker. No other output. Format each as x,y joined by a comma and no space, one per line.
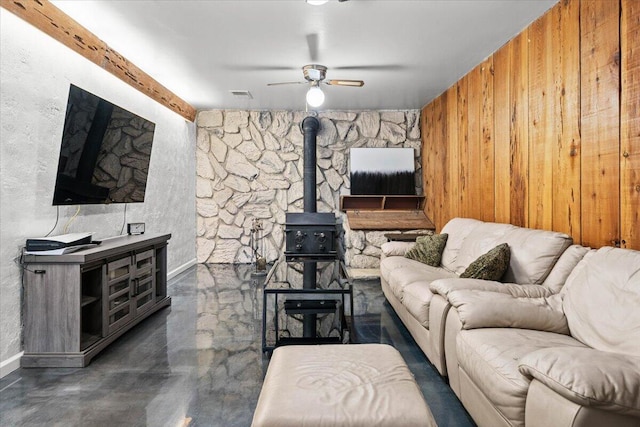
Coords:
34,84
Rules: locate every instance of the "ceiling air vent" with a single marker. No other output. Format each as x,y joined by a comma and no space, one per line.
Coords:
241,94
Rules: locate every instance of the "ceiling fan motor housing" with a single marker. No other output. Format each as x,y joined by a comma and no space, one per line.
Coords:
314,72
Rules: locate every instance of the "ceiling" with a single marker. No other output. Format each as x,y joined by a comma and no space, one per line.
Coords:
407,52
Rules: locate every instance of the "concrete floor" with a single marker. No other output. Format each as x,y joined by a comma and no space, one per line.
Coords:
197,363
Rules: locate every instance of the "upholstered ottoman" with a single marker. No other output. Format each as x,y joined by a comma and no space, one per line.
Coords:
340,385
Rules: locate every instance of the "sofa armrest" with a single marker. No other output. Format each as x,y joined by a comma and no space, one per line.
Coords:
396,248
481,309
588,377
445,286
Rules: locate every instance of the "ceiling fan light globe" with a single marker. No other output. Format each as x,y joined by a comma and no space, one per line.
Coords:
315,96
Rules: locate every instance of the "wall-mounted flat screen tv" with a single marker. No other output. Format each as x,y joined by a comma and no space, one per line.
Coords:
105,153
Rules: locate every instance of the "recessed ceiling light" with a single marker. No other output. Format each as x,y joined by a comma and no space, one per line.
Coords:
317,2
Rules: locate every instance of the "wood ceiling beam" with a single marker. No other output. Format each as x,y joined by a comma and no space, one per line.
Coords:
46,17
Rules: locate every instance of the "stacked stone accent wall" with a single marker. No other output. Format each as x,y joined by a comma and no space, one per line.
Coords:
250,165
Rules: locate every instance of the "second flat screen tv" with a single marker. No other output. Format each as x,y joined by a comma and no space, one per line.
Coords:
105,153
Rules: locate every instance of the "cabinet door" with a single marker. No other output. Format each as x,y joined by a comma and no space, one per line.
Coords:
119,309
144,283
52,308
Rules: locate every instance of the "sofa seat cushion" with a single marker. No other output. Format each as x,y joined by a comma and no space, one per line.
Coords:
417,299
490,357
399,272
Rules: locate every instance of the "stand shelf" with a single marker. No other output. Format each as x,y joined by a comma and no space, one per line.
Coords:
76,304
389,212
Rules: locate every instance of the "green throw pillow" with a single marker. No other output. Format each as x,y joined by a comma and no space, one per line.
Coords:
490,266
428,249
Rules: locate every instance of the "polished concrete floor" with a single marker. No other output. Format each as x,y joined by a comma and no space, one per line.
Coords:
197,363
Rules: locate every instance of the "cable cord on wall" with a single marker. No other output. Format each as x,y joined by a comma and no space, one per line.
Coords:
56,224
19,260
75,215
124,219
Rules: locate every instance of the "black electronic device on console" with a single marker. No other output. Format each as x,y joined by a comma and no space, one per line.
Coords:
58,242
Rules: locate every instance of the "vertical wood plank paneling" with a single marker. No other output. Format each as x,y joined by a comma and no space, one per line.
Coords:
428,161
630,125
463,150
435,149
519,130
453,154
487,158
440,169
566,160
502,134
474,118
555,130
542,110
600,118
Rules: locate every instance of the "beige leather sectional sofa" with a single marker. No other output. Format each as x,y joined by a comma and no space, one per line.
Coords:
510,349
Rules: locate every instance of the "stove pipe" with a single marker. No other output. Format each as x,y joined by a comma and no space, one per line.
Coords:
310,127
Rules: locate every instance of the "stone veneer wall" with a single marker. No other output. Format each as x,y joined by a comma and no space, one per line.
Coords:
249,165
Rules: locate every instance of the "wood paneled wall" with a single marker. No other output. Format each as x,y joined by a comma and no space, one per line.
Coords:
545,133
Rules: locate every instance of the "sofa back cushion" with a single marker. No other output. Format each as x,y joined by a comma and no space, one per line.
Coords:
563,268
533,252
602,300
458,229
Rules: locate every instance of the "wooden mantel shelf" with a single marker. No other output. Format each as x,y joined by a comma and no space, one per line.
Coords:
387,212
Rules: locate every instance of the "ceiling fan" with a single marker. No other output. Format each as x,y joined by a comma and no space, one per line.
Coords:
315,74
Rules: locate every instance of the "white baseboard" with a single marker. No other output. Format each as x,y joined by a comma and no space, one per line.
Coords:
10,365
183,267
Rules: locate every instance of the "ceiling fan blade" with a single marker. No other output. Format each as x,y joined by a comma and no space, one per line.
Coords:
389,67
313,42
286,83
352,83
258,67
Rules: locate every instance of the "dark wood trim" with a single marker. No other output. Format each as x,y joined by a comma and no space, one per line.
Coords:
52,21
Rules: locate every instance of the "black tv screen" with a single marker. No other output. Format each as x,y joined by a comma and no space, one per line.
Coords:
105,153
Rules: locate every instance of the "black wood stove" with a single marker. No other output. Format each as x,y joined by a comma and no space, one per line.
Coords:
309,234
